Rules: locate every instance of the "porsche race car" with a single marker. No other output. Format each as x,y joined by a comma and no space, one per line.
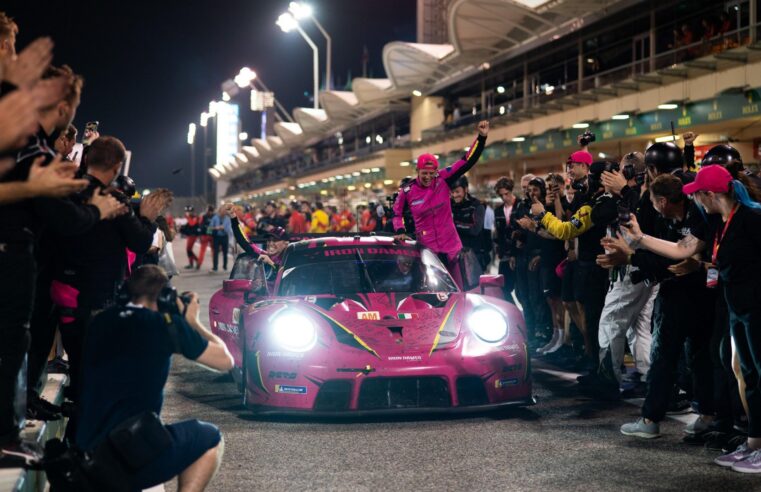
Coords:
365,325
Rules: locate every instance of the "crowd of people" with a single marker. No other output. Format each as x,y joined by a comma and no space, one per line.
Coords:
648,256
80,254
644,255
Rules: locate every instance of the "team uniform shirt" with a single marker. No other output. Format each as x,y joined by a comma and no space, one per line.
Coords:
320,222
431,206
127,356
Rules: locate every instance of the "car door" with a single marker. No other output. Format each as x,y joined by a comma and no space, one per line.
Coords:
245,283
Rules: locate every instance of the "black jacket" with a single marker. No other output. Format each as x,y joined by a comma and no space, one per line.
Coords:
96,262
25,220
503,234
468,217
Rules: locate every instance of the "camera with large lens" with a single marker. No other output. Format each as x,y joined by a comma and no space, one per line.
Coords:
586,138
167,301
126,185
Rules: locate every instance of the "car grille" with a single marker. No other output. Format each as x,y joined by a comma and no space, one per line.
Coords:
471,391
391,393
333,395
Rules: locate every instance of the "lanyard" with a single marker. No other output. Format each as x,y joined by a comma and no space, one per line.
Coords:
720,237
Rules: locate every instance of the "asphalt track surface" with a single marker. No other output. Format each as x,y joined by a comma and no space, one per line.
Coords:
565,442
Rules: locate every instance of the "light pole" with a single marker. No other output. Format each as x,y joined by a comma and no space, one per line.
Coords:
301,10
191,141
205,125
287,23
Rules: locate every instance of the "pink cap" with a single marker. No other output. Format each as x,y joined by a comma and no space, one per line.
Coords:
581,156
427,161
710,178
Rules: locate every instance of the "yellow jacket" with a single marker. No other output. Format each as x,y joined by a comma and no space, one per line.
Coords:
320,221
578,225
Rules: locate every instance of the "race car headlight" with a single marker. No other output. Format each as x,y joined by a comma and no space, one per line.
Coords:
293,331
488,324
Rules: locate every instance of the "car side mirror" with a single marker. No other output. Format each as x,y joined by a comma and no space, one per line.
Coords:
257,291
236,285
495,281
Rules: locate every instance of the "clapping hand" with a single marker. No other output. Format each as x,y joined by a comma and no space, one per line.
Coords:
56,179
25,70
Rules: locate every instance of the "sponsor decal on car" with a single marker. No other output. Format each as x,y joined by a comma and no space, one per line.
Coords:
236,315
407,316
372,251
406,358
227,328
282,375
288,355
311,299
291,390
369,315
503,383
511,348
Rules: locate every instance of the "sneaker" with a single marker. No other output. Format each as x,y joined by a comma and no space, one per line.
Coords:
751,464
739,454
716,441
681,406
642,429
189,267
699,426
735,441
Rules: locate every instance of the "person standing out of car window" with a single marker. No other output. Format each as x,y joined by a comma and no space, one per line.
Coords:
429,202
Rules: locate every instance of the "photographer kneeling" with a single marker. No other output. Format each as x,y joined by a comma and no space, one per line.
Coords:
126,364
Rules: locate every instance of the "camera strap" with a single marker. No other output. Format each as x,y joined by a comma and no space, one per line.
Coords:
174,333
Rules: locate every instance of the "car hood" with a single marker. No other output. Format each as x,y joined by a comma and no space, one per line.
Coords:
388,324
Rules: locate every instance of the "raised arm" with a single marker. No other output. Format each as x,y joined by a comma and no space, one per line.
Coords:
683,249
456,170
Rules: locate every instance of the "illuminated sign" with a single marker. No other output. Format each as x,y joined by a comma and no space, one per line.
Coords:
228,129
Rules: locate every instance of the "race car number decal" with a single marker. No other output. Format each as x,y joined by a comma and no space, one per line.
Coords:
369,315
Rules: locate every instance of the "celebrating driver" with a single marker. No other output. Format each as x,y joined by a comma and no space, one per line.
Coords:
428,200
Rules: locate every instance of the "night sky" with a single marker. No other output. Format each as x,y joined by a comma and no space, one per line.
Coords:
151,68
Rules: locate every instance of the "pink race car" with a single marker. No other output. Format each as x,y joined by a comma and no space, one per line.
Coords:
363,324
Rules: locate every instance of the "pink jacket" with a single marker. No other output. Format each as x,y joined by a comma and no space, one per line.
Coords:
431,206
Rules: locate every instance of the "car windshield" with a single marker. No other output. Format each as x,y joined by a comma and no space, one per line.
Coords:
345,271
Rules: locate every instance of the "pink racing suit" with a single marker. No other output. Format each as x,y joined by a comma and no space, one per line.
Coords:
431,206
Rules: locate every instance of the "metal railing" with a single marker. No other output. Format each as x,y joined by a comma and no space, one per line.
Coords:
672,58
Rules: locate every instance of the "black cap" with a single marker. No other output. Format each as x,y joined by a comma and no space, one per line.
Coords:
278,234
664,157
